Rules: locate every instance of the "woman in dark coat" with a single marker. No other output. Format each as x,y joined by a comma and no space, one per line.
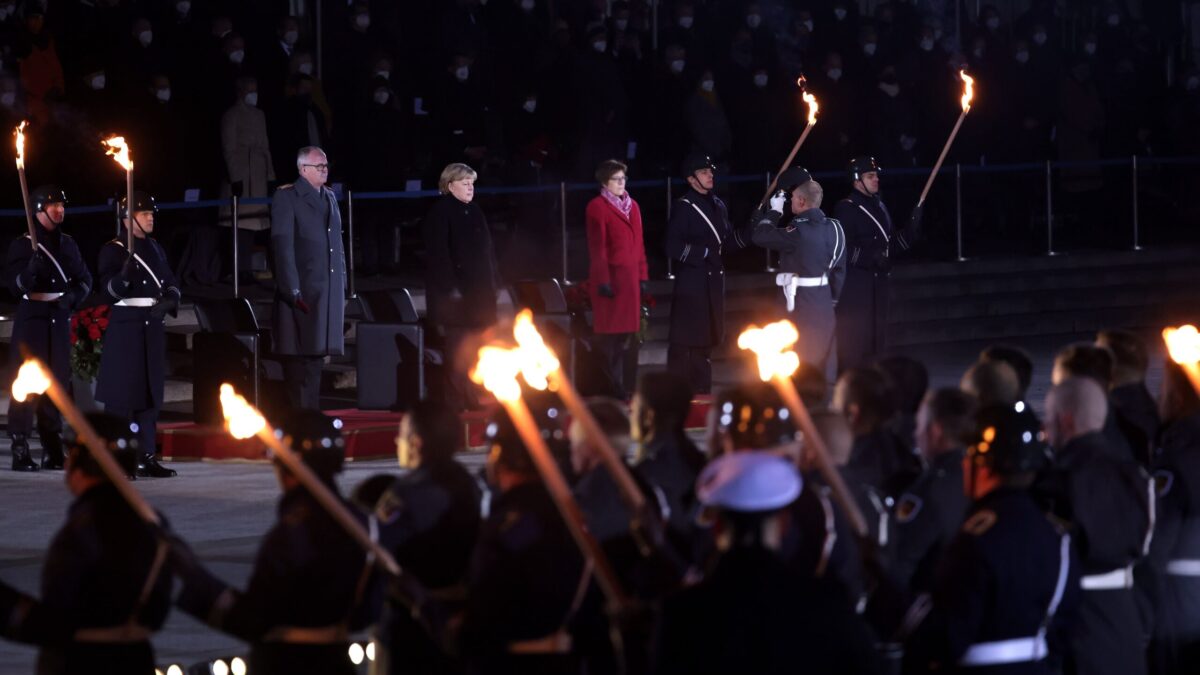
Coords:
617,269
460,284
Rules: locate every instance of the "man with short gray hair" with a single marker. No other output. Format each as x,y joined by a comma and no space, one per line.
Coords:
310,277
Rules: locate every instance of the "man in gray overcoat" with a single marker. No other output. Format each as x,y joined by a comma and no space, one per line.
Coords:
310,277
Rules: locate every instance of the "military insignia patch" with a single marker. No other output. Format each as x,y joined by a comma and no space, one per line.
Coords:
980,522
790,228
908,508
1163,480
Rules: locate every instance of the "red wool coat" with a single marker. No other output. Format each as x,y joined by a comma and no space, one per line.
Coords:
618,258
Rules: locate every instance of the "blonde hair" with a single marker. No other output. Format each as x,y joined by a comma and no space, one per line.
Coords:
453,172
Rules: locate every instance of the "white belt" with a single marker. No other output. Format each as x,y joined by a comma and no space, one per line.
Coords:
789,282
1016,650
136,302
42,297
1116,579
1184,568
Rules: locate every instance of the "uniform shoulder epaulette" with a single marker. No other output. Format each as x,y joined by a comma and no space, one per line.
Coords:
908,507
980,522
286,186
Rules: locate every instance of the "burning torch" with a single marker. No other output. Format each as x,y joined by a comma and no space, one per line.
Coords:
812,121
118,149
967,95
1183,345
19,132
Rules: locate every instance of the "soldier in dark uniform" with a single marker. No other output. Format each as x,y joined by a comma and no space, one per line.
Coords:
813,260
310,578
871,240
105,570
24,619
50,281
142,289
1008,583
879,458
931,511
310,277
754,613
698,233
429,519
1108,501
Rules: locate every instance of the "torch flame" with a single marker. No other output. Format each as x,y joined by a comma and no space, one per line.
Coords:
31,379
968,89
241,418
118,149
497,371
19,132
1183,344
812,107
772,345
536,360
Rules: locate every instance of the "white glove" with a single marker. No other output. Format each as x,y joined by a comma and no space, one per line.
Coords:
777,201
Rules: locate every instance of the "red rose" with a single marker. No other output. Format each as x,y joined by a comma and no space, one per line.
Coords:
93,332
102,322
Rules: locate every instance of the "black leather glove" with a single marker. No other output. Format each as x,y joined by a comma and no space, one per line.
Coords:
606,291
236,188
67,300
644,286
38,263
166,305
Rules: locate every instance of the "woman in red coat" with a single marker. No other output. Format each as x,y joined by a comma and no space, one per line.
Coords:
618,268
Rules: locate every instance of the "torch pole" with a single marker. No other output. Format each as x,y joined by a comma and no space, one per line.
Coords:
28,210
787,162
942,157
129,207
841,494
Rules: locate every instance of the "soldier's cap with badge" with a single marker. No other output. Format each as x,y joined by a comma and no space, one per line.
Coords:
793,178
142,201
1010,440
317,438
696,161
120,436
749,482
860,165
45,195
754,417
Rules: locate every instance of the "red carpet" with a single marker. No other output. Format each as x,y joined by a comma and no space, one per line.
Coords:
369,435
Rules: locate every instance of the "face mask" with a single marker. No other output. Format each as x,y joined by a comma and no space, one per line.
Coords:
892,90
385,74
978,52
839,12
382,96
462,73
530,105
869,48
760,80
834,74
8,99
1114,20
808,24
1039,38
97,82
290,37
753,20
527,5
305,68
145,37
237,56
183,7
251,99
1022,57
1193,84
363,21
163,95
927,45
677,66
1090,48
621,24
993,22
706,85
600,47
685,22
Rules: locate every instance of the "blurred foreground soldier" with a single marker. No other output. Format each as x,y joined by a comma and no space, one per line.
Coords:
1109,502
880,458
871,239
429,519
753,613
991,383
910,381
813,261
143,290
1096,363
306,591
24,619
310,277
698,233
1008,584
1018,359
665,456
51,281
1134,408
105,570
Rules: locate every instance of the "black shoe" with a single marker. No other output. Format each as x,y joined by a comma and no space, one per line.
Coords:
150,468
21,461
52,452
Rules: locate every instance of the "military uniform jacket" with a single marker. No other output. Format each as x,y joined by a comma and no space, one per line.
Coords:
306,240
870,236
43,327
926,517
133,366
1008,574
698,233
811,245
1175,549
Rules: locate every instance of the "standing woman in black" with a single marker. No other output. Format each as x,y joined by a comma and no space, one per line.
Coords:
460,280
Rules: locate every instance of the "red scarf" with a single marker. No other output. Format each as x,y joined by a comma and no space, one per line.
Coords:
624,203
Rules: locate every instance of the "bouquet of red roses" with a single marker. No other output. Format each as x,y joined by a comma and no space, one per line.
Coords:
87,341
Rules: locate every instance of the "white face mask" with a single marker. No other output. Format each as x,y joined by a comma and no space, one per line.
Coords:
1039,38
760,80
237,56
382,96
685,22
527,5
163,95
530,105
993,22
707,85
462,73
183,7
251,99
1114,20
753,20
1090,48
363,21
8,99
385,74
808,24
290,37
927,44
305,68
834,74
1022,57
839,12
146,37
892,90
621,24
97,82
677,66
869,48
600,46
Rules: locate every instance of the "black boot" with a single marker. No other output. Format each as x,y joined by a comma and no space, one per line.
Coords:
149,467
52,451
21,461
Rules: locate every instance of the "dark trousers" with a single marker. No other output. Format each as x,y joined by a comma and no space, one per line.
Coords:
612,349
20,417
302,379
147,428
694,364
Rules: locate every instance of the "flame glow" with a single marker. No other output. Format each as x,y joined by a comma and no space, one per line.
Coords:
31,379
968,89
772,345
19,132
812,107
118,149
497,371
1183,344
242,420
537,361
